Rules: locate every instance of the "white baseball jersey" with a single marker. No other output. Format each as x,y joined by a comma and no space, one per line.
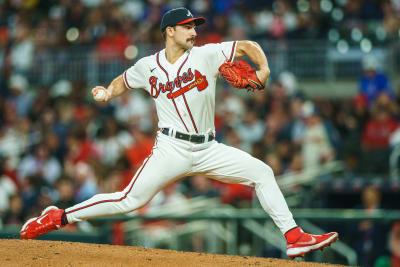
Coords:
184,92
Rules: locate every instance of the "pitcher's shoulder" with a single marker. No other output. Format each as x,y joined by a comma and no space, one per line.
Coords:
145,61
205,46
204,49
149,58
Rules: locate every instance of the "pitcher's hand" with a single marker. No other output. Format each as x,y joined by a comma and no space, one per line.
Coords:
100,94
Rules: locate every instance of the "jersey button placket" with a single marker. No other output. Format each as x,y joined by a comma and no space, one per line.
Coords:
181,106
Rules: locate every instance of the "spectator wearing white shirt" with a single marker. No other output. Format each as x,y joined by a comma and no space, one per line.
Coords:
40,163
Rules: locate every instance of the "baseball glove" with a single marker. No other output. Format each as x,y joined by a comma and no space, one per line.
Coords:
240,74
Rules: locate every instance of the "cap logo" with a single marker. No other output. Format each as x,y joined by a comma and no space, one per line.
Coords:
189,14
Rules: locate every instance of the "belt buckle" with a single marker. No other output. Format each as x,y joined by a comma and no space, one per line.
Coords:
199,139
179,135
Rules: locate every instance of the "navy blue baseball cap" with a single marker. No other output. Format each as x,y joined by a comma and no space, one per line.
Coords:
179,16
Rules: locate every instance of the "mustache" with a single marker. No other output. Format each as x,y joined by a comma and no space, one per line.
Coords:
190,39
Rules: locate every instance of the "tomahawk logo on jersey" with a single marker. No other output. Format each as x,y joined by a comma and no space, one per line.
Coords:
200,82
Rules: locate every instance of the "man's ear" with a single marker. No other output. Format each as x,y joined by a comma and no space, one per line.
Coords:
169,30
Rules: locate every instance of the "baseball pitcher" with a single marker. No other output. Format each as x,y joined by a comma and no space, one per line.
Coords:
181,79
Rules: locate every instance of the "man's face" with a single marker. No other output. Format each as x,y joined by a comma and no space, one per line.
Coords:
185,35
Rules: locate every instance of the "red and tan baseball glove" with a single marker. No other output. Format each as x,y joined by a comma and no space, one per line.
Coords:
240,74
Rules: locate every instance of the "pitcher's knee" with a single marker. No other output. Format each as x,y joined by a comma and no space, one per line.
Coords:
268,171
263,174
131,203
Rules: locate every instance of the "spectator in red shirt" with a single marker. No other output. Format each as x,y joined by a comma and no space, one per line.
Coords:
375,140
113,43
378,129
141,148
81,148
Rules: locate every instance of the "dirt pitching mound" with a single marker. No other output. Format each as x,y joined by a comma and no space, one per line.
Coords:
53,253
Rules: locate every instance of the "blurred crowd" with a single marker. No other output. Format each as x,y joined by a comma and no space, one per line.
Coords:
57,146
111,24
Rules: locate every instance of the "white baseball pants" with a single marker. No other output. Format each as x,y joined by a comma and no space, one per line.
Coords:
172,159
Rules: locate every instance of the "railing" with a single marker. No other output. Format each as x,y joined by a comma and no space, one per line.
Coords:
315,60
331,215
241,214
222,213
286,182
321,60
75,65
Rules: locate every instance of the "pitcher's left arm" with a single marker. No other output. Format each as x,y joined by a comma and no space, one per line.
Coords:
255,53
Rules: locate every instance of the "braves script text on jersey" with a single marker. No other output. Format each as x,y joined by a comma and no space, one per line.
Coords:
184,94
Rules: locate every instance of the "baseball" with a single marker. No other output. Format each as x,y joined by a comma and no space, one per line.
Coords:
100,96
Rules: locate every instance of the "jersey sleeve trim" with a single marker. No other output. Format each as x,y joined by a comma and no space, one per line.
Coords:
126,81
233,52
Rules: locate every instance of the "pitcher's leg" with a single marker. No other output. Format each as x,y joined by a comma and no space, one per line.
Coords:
232,165
117,202
167,163
273,202
229,164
